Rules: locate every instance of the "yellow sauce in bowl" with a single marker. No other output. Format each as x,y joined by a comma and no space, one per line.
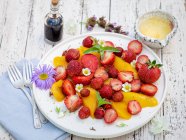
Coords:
156,27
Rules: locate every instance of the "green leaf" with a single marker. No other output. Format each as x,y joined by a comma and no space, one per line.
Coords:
92,49
122,125
110,49
101,101
58,109
159,65
102,54
154,62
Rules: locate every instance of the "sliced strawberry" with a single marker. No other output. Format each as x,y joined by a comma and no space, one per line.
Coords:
85,80
73,102
68,88
135,46
134,107
149,89
135,85
109,44
138,65
101,72
108,58
143,59
126,76
128,56
60,73
110,116
90,61
116,84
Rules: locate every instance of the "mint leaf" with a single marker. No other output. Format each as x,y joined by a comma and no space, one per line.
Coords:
101,101
93,49
110,49
121,124
58,109
159,65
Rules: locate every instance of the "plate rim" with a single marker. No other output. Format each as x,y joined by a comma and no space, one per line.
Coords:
117,134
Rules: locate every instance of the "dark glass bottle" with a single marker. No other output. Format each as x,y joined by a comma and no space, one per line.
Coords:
53,26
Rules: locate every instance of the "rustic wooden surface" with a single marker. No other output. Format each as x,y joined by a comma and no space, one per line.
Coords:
21,36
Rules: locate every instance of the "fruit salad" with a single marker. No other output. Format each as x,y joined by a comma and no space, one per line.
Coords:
103,81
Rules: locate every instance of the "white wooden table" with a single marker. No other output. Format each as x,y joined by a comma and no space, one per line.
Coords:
21,36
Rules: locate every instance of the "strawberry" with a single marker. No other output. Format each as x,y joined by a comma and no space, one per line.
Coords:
84,112
97,83
119,54
73,102
150,72
99,113
149,89
61,73
138,65
90,61
88,42
85,80
133,107
108,58
135,85
74,68
135,46
106,92
117,97
126,76
143,59
107,106
128,56
101,72
116,84
68,88
113,72
109,44
110,116
72,54
85,92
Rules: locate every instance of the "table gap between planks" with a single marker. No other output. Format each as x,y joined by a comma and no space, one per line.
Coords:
21,36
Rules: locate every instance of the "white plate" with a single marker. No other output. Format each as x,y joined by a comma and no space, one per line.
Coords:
71,123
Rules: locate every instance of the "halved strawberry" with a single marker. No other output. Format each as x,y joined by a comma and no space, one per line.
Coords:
126,76
135,85
73,102
110,116
128,56
90,61
108,58
60,73
134,107
135,46
149,89
116,84
68,88
143,59
138,65
109,44
101,72
85,80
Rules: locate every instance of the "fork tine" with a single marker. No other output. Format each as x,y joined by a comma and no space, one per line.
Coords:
17,72
30,69
10,75
24,71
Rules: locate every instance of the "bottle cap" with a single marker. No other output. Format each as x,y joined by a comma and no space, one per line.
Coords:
55,2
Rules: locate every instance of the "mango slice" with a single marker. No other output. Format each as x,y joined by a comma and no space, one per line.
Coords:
121,65
107,82
82,49
91,101
144,100
57,91
121,109
60,61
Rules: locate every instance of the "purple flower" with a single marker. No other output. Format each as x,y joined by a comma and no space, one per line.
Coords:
43,77
89,28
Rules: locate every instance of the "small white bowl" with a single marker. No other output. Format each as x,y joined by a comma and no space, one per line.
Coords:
153,42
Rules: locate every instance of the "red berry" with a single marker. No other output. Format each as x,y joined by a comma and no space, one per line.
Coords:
110,116
117,97
99,113
135,85
101,72
143,59
88,41
72,54
84,112
85,92
116,84
85,80
106,92
135,46
64,53
108,58
61,73
149,89
107,106
68,88
113,72
126,76
74,68
119,54
128,56
97,83
134,107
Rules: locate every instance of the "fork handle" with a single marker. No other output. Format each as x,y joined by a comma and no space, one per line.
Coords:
37,122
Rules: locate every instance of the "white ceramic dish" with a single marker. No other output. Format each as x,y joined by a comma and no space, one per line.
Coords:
153,42
71,123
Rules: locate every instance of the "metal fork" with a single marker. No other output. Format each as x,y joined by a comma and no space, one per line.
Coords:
17,81
27,76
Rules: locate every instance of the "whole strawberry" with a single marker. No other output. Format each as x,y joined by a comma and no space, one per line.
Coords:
150,72
88,41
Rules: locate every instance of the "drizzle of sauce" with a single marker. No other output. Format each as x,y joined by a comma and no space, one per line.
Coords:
156,27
